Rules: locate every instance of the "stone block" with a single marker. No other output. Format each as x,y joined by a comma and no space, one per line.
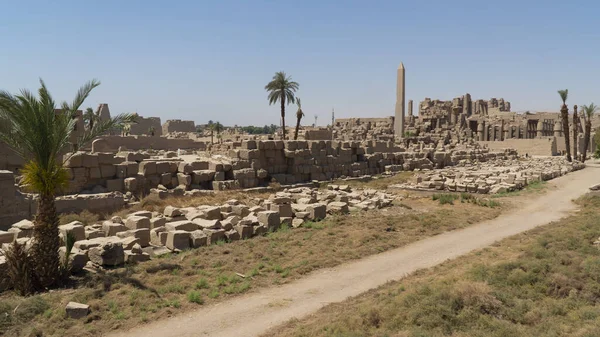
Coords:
158,222
198,239
115,185
108,171
77,310
284,210
131,257
184,225
232,235
7,237
212,212
108,254
171,211
240,210
137,222
316,211
207,224
147,168
269,219
245,231
214,235
158,236
178,240
338,207
184,179
111,228
75,228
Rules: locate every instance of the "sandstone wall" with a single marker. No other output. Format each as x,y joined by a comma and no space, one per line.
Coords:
13,206
538,147
143,125
137,143
177,125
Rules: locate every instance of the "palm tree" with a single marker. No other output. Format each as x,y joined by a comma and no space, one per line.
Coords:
575,131
218,127
299,115
211,127
588,114
564,113
41,135
90,117
151,131
282,88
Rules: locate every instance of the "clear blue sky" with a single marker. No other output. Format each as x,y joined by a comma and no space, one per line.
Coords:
210,60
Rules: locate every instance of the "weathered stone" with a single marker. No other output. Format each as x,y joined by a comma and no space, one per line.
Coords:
108,254
317,211
245,231
137,222
214,235
77,310
269,219
178,240
75,228
198,239
111,228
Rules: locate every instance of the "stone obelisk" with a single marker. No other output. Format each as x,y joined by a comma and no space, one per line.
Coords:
400,96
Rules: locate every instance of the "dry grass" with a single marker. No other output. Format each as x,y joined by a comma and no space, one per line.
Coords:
541,283
173,284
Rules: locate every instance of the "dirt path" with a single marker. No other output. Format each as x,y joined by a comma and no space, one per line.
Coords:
254,314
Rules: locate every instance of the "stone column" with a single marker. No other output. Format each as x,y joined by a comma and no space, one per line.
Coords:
540,128
557,128
502,131
486,132
400,96
480,131
410,107
467,105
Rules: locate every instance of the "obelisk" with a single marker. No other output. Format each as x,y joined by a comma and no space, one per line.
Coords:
400,96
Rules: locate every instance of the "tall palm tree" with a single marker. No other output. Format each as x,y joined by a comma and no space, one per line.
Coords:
211,127
218,128
588,114
564,113
282,88
299,115
575,131
40,135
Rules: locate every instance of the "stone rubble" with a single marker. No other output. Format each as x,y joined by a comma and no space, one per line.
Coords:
142,234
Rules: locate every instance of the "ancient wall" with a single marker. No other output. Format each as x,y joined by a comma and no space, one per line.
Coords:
13,206
320,134
364,129
177,125
143,125
537,147
112,143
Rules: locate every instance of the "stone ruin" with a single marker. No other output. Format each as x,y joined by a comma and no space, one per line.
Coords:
177,125
143,234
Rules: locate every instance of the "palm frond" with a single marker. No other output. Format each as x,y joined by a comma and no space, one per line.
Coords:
563,95
589,111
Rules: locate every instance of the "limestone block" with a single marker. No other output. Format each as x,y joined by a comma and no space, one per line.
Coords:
259,230
214,235
230,222
131,257
338,207
269,219
178,240
111,228
158,236
108,171
207,224
7,237
89,160
245,231
75,228
110,253
77,310
184,225
75,160
137,222
158,222
284,210
198,239
232,235
115,185
90,243
143,235
184,179
131,184
212,212
201,176
147,168
199,165
241,210
165,179
297,222
78,259
171,211
163,167
185,168
316,211
145,214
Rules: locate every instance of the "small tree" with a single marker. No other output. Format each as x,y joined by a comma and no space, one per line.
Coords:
151,131
299,115
564,113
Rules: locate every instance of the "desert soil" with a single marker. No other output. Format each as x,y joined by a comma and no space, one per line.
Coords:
254,314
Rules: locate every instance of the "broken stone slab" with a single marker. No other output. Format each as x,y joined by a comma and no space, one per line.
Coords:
146,214
316,211
158,236
94,233
297,222
111,228
7,237
77,259
240,210
337,207
212,212
142,234
77,310
158,222
245,231
109,253
214,235
595,187
171,211
232,235
184,225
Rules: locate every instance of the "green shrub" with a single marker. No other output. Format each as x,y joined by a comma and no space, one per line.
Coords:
195,297
445,198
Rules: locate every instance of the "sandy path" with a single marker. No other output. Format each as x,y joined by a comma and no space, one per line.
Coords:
253,314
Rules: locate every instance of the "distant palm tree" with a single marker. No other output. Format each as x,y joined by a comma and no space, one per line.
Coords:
219,129
299,115
588,114
575,131
564,113
90,117
40,135
282,88
211,127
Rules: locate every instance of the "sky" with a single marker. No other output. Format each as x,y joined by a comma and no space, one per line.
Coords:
210,60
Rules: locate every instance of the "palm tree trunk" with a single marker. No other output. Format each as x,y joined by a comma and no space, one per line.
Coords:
211,137
586,138
575,131
283,116
297,128
564,111
46,261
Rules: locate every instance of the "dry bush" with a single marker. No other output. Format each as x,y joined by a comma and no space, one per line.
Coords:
20,271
